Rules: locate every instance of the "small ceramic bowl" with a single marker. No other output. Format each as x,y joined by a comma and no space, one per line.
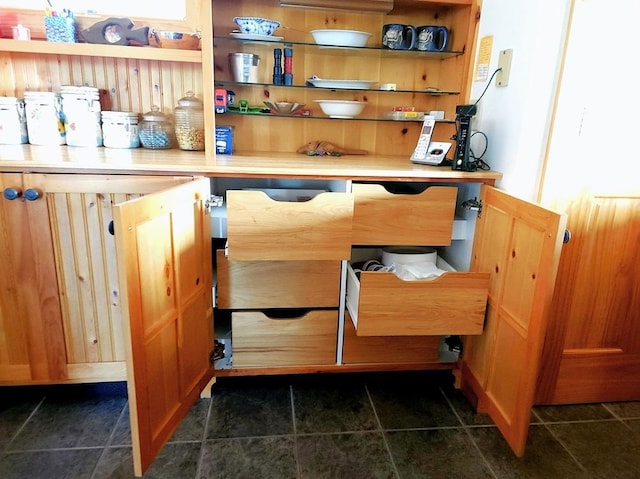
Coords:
176,40
256,25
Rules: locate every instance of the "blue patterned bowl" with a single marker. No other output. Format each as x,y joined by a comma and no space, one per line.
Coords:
256,25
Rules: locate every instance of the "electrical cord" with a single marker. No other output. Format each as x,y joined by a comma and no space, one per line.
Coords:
477,160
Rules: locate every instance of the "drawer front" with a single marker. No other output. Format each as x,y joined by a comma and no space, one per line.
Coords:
261,341
384,218
388,349
260,228
382,304
277,284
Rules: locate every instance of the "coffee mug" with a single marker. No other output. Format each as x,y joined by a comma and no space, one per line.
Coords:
399,37
432,38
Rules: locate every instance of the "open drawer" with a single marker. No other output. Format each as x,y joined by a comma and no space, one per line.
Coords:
262,341
277,284
381,304
383,217
260,228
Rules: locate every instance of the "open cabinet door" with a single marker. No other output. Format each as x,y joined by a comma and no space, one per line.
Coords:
519,244
164,264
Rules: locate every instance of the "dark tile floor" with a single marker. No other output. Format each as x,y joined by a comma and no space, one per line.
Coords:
387,425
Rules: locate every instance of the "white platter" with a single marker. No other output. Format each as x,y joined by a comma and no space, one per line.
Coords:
255,37
341,84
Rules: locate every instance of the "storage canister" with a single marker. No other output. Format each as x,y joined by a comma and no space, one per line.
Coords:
44,118
189,118
13,121
156,130
120,129
81,115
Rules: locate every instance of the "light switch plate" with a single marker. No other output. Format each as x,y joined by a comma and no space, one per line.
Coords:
504,63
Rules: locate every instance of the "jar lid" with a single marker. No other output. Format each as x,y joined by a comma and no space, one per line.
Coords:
190,100
79,90
155,115
9,100
40,94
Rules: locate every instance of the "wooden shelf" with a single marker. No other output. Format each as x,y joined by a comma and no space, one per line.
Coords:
92,50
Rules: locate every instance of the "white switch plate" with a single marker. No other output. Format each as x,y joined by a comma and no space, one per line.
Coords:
504,62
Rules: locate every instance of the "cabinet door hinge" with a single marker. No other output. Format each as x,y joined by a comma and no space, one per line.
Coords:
473,205
214,201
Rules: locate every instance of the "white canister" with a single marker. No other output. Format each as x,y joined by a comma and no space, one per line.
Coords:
120,129
13,121
406,255
81,115
44,118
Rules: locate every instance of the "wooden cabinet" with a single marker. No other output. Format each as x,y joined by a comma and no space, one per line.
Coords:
61,313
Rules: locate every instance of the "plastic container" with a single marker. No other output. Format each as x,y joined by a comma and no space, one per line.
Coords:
120,129
189,118
13,121
44,118
81,115
156,130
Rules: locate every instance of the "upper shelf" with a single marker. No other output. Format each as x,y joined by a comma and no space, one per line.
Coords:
376,50
93,50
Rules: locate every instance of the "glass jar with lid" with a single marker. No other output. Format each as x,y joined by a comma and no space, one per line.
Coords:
189,119
156,130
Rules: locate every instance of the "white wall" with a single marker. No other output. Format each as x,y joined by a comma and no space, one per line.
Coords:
516,117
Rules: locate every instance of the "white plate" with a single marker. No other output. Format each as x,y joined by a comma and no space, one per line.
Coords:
251,36
344,84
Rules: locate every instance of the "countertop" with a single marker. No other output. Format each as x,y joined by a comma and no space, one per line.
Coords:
64,159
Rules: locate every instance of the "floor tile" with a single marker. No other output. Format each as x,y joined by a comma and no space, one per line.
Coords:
65,464
604,448
412,402
574,412
625,409
246,407
264,457
15,409
193,425
334,404
121,435
465,410
544,458
349,456
436,453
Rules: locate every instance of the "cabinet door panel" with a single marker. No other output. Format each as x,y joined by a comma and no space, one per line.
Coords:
31,335
519,244
164,266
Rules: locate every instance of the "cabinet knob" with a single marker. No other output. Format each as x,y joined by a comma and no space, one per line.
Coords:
111,229
12,193
31,194
567,236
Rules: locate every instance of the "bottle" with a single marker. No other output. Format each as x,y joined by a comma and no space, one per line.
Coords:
189,119
156,131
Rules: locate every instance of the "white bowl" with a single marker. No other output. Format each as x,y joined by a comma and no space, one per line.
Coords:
341,108
340,38
256,25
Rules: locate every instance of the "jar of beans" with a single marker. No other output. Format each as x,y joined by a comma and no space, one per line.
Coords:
189,119
156,130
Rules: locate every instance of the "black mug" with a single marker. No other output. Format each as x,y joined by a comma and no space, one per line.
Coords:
432,38
397,36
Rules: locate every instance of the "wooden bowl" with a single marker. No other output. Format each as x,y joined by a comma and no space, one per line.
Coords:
175,40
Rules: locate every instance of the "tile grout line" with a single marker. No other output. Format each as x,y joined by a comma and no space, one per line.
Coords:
20,429
203,439
380,428
113,432
467,431
295,432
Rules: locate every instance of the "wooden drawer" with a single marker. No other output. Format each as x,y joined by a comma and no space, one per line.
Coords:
260,228
384,218
262,341
381,304
388,349
277,284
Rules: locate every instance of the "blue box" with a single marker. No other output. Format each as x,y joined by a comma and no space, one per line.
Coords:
224,140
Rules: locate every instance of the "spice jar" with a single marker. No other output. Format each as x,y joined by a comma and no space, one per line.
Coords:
156,131
189,118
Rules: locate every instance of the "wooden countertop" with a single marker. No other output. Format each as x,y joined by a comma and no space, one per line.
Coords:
64,159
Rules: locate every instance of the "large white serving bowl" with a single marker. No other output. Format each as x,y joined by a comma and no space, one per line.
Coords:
341,108
340,38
